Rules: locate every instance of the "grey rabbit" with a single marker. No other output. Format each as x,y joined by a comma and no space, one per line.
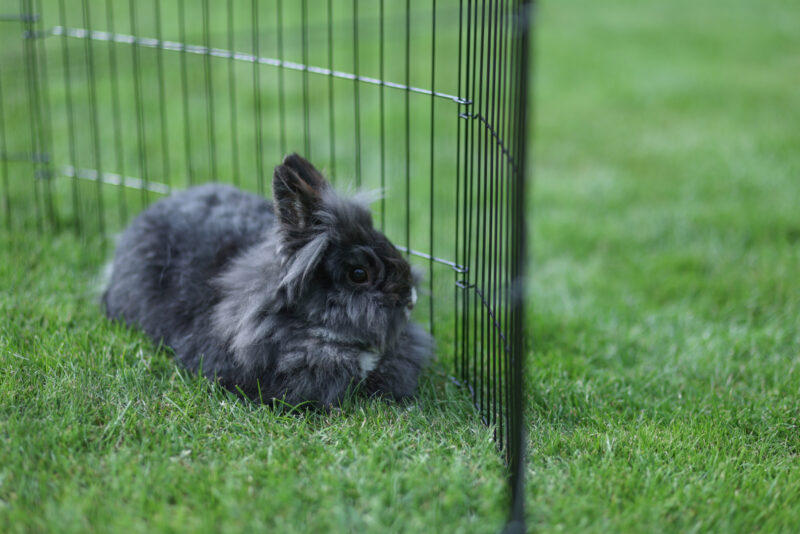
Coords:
299,300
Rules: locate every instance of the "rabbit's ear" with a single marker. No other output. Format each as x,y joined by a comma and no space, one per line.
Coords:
306,171
297,186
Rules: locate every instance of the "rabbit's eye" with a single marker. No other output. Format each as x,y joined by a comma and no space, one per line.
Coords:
358,275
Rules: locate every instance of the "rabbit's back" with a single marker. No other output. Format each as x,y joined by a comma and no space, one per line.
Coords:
167,259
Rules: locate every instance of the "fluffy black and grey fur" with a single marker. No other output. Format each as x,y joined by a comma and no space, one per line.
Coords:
259,295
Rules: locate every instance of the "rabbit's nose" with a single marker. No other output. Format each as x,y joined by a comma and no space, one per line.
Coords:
412,300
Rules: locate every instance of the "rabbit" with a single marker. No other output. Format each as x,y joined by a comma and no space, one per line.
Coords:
299,300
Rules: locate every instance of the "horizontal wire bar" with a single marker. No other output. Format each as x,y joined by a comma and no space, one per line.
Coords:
456,267
463,285
115,179
81,33
112,178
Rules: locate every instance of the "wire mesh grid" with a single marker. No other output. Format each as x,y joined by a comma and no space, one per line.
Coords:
123,101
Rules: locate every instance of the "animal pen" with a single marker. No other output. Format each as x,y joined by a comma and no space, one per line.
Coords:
127,100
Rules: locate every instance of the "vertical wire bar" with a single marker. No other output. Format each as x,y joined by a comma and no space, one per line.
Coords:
486,321
331,106
431,201
356,94
47,123
491,145
517,464
281,82
211,122
488,213
509,79
456,345
501,282
232,97
140,126
119,154
29,35
493,222
162,106
382,106
503,231
408,127
469,167
306,118
512,134
4,158
474,153
486,326
480,250
73,153
187,136
461,232
41,176
489,218
94,125
257,98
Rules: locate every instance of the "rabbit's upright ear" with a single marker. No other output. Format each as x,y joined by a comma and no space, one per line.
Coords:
297,186
298,189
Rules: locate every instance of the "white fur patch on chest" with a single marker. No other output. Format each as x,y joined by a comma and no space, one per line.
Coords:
412,303
367,361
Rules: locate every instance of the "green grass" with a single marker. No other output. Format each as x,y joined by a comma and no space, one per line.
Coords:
99,431
664,321
665,380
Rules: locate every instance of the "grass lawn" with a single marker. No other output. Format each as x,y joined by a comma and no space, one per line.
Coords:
664,321
665,373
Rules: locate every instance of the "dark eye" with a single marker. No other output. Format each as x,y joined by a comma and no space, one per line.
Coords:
358,275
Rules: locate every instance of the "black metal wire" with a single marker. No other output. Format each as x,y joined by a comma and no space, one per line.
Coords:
487,211
357,96
281,81
494,240
458,355
306,113
514,416
408,124
119,152
503,238
487,238
232,98
46,124
481,225
4,158
73,153
469,168
523,14
166,172
140,120
331,106
210,112
508,106
95,128
257,99
432,200
382,106
29,52
187,134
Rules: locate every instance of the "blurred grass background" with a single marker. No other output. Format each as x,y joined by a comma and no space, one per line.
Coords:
666,299
663,310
